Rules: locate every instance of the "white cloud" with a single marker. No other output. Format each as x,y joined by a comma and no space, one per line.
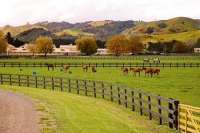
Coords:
20,12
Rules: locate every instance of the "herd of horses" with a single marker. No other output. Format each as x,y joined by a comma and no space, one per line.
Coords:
66,67
156,60
148,71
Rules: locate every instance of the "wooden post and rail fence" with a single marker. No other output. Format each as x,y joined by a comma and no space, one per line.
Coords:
165,110
161,65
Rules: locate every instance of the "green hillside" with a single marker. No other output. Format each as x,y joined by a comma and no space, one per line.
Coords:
72,32
183,37
19,29
174,25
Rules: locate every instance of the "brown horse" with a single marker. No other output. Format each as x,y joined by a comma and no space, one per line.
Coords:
85,67
49,65
135,70
125,70
147,71
93,69
155,71
66,67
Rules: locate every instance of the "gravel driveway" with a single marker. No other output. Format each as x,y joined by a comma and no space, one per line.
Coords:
17,113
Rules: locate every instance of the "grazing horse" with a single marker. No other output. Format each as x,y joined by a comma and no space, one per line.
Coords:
145,60
135,70
155,71
147,71
85,67
156,60
93,69
125,70
49,65
66,67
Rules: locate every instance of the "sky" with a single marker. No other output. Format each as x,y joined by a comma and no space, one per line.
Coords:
21,12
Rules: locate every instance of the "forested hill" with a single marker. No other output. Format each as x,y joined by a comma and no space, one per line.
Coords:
101,30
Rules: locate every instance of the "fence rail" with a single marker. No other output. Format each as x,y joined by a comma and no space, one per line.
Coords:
165,110
189,119
163,65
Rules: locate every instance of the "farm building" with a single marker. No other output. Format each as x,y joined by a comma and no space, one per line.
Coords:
63,50
196,50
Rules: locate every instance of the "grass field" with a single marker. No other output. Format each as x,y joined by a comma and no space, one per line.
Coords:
178,83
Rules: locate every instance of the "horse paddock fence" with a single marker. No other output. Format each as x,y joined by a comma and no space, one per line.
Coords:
163,109
161,65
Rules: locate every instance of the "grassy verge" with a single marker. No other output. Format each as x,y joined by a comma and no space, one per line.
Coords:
64,112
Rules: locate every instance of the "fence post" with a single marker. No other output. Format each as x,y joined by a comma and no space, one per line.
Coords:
19,80
10,79
132,93
27,80
52,83
149,105
44,82
159,110
77,86
140,97
102,85
125,91
118,89
61,87
176,103
170,106
69,85
35,81
94,89
85,87
111,93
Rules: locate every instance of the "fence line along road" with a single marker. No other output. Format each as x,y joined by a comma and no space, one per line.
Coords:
163,65
164,109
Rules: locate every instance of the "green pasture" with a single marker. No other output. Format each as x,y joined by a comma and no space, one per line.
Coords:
71,113
178,83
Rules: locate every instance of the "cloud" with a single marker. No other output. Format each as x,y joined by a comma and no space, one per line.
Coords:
19,12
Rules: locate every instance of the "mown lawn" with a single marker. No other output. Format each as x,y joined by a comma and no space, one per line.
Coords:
71,113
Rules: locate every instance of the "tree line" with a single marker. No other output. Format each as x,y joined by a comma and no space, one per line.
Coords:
116,44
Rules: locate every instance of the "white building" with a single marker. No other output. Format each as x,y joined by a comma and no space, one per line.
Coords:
63,50
196,50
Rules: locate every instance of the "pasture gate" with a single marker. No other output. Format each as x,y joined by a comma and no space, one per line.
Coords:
188,119
165,110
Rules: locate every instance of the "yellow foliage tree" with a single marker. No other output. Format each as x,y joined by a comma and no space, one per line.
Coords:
44,45
116,44
86,45
134,44
179,47
3,43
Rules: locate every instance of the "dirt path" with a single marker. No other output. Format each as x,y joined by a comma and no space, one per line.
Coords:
17,113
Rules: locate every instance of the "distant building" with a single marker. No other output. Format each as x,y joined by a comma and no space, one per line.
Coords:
196,50
63,50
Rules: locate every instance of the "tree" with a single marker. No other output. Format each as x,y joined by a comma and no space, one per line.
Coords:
86,45
9,38
32,48
179,47
3,43
44,45
116,44
134,44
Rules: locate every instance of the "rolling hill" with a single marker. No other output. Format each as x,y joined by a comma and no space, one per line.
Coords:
180,28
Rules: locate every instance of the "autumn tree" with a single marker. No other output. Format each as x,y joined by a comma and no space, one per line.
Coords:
134,44
86,45
32,48
44,45
116,44
3,43
179,47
